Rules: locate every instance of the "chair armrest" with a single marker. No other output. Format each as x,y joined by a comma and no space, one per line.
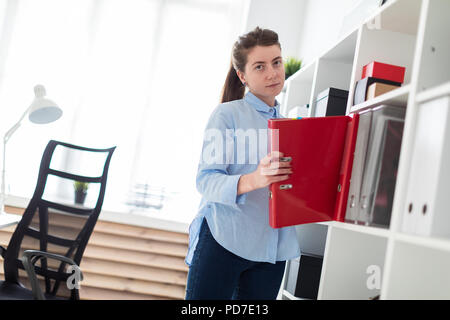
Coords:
29,259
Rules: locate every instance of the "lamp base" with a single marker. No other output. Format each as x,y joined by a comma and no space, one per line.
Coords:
8,219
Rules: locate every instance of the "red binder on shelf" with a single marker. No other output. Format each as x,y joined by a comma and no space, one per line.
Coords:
322,152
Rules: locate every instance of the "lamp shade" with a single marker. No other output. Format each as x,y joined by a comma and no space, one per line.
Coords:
43,110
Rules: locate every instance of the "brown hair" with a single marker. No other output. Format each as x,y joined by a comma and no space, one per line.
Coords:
233,88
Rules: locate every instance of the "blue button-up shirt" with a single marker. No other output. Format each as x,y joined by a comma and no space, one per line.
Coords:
238,223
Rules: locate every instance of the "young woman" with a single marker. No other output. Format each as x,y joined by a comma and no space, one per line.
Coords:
233,252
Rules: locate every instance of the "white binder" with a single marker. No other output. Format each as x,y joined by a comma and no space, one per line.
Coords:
427,209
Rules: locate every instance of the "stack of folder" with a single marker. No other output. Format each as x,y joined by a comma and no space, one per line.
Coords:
344,167
375,165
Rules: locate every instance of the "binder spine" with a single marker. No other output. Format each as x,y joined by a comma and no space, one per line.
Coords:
272,147
346,168
359,159
274,136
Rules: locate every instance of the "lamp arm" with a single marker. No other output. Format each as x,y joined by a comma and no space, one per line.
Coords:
6,137
13,129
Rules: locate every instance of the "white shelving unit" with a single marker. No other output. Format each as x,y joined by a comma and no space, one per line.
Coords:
414,34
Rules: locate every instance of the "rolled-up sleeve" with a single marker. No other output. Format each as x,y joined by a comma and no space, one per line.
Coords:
213,180
216,186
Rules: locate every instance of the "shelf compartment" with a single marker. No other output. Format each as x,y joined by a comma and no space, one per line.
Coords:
311,238
435,49
333,69
385,46
418,271
298,88
330,74
401,16
343,276
398,97
396,15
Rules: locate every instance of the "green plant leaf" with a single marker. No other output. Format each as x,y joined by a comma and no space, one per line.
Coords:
80,186
291,66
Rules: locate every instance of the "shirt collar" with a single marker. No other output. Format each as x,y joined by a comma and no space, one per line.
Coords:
261,106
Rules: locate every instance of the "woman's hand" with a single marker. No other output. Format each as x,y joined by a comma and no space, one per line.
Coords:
270,170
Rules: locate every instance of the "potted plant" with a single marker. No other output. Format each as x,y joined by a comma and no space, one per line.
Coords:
80,191
291,66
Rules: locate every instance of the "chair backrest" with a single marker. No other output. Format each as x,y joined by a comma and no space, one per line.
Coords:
57,226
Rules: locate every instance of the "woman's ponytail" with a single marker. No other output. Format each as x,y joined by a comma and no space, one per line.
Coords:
233,88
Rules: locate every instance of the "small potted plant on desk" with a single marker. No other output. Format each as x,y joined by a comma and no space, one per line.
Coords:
80,191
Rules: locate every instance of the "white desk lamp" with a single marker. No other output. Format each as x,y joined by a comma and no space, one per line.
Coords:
41,111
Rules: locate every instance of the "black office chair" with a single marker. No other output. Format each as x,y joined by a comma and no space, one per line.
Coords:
58,230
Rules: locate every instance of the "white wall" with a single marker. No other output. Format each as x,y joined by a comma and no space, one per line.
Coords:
306,27
285,17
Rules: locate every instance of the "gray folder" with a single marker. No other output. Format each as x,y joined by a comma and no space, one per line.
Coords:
383,152
359,160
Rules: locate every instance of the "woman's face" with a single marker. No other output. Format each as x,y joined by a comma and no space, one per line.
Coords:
264,73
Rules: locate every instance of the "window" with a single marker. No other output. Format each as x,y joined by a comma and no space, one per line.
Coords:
143,75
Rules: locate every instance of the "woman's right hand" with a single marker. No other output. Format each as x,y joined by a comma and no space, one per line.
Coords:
270,169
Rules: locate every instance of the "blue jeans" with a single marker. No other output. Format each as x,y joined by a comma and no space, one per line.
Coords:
216,273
